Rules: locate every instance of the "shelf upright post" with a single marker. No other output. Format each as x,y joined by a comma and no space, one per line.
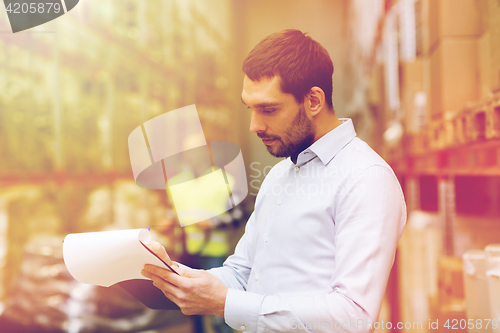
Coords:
412,194
108,133
446,204
56,105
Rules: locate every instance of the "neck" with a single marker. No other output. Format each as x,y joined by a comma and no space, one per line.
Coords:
325,122
323,125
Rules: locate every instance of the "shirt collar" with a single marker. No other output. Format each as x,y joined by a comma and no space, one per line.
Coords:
329,144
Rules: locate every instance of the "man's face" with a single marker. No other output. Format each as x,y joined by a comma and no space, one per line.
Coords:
277,118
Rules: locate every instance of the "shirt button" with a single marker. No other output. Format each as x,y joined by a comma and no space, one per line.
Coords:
242,328
297,168
279,202
266,239
256,278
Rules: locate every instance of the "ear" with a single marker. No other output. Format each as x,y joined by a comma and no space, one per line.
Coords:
315,100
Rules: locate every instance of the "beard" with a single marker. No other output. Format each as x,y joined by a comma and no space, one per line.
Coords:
299,136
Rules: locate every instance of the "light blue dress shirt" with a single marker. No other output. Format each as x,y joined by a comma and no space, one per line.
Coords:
319,246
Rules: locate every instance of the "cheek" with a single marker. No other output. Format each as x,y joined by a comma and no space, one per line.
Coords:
281,128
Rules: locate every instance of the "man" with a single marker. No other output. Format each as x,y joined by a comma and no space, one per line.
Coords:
319,246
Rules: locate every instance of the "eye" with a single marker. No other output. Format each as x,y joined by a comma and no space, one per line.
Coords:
268,110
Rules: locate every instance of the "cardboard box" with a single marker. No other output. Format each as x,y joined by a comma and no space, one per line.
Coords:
476,288
453,18
484,57
412,83
444,318
450,280
418,252
454,76
494,29
483,10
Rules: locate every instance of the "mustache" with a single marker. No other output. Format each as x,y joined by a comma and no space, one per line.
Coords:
267,137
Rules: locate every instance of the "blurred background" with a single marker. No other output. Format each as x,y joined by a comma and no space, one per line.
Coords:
419,78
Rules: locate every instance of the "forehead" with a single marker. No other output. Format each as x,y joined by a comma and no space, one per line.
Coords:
265,90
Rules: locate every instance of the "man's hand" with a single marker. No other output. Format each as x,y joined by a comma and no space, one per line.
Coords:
194,291
160,251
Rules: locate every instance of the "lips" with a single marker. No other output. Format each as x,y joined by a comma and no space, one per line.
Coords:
268,141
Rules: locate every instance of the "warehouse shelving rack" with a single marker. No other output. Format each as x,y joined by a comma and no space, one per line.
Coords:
467,144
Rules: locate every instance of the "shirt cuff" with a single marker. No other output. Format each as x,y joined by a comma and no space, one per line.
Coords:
242,308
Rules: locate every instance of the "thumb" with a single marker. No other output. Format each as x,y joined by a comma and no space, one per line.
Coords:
160,251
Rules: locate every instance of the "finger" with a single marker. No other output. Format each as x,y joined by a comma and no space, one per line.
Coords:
162,270
160,251
164,273
156,270
176,268
183,272
169,290
157,280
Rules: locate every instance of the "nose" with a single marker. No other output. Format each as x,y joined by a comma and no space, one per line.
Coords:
256,123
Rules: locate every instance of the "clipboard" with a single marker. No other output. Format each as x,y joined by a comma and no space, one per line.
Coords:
116,257
148,294
168,266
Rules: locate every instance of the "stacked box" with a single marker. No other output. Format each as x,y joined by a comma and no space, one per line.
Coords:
476,289
453,76
412,84
418,253
448,307
450,280
454,28
489,47
452,19
494,29
493,277
485,68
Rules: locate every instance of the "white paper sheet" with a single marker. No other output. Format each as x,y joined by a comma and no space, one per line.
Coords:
108,257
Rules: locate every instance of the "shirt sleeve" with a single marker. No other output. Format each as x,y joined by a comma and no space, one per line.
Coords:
369,220
236,269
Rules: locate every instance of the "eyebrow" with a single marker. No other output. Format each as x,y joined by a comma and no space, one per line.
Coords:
263,105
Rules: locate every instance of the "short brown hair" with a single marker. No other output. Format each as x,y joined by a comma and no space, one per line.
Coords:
300,62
